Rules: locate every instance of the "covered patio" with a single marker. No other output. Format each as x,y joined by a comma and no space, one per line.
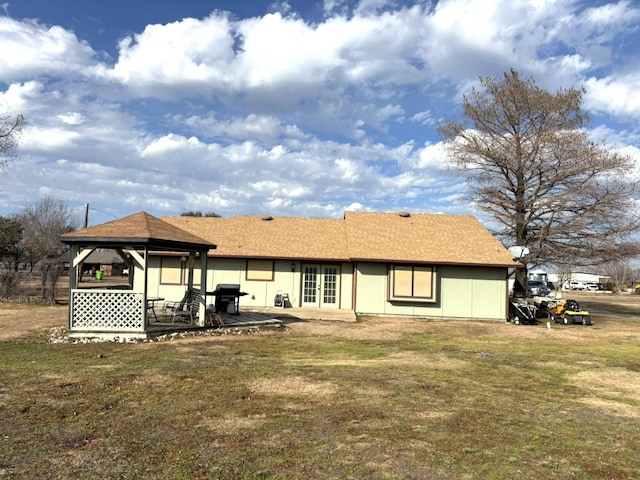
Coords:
126,309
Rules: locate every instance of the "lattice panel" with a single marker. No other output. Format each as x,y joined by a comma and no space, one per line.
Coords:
107,310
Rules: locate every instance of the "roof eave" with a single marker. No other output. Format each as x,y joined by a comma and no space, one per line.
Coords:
137,242
436,262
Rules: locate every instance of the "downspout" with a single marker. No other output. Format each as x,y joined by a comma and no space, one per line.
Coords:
354,287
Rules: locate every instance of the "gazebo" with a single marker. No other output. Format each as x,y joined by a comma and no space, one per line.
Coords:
122,310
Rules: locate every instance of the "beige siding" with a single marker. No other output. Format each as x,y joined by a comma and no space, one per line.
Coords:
260,293
463,292
346,286
371,288
154,289
474,293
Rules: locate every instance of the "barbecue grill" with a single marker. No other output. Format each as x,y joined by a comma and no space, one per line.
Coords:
227,297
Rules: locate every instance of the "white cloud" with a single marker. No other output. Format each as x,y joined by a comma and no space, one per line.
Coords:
330,6
71,118
615,95
265,128
30,49
192,56
432,156
50,139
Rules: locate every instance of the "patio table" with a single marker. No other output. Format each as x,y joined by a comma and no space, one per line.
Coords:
151,305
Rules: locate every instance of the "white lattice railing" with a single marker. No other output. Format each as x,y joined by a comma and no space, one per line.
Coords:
107,310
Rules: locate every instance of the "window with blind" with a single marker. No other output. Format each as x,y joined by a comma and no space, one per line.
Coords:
174,271
260,270
415,283
170,271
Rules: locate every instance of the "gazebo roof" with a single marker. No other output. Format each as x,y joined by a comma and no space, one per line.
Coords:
139,229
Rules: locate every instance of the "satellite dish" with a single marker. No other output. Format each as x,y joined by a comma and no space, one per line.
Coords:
518,252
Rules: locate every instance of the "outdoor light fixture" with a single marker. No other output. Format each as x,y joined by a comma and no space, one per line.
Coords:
293,267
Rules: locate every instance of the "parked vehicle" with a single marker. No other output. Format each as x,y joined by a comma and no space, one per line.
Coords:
537,289
575,285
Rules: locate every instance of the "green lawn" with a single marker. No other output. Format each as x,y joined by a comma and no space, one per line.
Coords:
378,399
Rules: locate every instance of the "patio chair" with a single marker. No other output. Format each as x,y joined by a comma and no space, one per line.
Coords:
186,309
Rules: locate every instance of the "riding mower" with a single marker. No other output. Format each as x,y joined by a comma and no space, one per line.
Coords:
569,312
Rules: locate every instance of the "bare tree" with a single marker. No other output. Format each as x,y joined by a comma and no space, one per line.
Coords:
619,275
531,166
43,223
11,127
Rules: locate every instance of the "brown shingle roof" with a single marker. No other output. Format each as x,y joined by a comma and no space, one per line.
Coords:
387,237
137,229
429,238
252,236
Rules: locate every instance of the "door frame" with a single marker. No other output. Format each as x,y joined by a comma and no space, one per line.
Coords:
320,285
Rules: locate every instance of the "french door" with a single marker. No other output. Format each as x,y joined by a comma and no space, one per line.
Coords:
320,286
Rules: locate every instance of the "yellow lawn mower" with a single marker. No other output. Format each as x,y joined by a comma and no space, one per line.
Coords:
569,312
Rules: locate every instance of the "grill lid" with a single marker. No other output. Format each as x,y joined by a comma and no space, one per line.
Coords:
229,290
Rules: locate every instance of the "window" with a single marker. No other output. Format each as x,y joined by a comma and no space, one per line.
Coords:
170,271
260,270
415,283
175,271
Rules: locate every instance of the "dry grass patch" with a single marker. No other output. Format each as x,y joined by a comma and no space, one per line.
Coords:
152,380
20,319
610,382
229,424
294,387
612,407
438,361
366,328
612,390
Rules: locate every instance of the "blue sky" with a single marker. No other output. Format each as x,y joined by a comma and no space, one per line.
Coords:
298,108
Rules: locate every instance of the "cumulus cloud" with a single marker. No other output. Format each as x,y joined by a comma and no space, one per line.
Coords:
289,114
188,53
30,49
618,95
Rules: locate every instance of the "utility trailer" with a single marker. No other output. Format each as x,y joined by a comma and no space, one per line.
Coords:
522,313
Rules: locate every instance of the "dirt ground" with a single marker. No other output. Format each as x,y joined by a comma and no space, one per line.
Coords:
17,319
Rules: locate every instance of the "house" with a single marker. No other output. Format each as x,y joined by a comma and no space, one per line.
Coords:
106,261
433,266
427,265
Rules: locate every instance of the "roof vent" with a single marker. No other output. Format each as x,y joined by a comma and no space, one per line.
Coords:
404,214
267,218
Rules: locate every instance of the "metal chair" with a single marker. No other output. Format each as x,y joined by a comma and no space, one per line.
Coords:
186,309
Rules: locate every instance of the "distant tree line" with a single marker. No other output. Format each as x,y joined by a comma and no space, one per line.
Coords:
31,237
198,213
